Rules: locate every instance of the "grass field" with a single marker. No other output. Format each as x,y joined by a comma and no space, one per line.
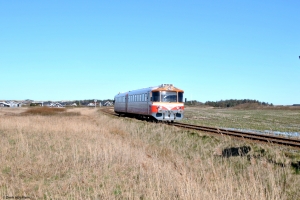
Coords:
272,120
81,153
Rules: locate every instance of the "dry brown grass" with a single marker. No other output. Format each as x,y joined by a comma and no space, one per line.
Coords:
93,156
48,111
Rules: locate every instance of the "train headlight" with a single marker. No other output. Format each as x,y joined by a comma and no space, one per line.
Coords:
179,109
158,108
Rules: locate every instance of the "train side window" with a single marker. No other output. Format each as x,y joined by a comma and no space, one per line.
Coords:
143,97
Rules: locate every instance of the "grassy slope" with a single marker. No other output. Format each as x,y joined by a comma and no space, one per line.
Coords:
93,156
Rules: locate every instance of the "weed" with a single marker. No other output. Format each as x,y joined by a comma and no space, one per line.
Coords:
6,170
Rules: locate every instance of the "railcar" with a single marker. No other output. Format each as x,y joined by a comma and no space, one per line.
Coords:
161,103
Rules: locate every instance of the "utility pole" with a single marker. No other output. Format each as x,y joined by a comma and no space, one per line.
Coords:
95,100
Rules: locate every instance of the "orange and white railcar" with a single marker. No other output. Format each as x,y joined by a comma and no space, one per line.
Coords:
163,103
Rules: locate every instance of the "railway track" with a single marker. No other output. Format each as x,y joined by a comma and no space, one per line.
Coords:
271,139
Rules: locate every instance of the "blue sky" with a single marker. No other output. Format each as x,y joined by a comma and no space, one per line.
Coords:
68,50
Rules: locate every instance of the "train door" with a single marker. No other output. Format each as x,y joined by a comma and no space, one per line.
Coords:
126,102
148,102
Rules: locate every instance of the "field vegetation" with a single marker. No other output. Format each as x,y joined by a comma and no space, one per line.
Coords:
49,111
247,116
89,155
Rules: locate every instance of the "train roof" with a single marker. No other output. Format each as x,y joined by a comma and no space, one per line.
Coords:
162,87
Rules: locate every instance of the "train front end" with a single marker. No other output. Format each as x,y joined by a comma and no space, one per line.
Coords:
167,103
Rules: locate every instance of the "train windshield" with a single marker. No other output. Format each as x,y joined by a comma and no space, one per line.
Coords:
155,96
168,96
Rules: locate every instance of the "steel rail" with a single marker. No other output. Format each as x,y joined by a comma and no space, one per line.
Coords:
292,142
247,135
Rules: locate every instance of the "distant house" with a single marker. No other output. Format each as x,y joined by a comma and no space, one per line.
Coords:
37,103
10,104
57,105
3,104
91,104
47,103
108,103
